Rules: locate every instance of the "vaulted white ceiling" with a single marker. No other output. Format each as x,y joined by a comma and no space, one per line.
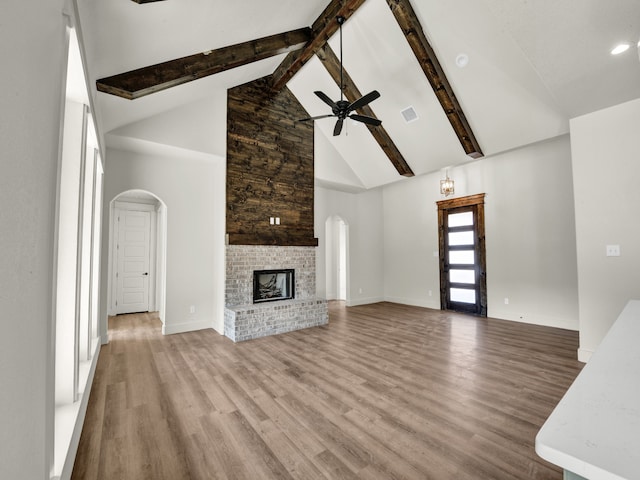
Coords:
532,66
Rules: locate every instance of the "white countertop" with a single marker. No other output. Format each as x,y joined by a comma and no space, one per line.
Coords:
594,431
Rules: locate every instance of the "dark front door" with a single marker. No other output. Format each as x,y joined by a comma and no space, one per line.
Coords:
463,286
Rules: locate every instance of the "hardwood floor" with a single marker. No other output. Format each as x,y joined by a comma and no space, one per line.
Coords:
384,391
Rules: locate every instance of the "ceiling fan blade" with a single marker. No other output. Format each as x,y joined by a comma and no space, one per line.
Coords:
364,119
338,128
316,118
326,99
362,101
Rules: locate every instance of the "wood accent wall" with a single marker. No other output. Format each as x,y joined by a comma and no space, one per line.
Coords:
269,167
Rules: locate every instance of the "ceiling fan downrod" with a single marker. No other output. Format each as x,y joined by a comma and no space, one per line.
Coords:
341,20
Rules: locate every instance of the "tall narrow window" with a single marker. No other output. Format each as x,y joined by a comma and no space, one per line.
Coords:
78,218
463,285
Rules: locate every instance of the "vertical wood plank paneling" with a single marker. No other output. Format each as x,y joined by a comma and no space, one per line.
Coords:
269,167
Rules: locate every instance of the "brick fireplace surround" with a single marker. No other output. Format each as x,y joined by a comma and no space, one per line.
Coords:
244,320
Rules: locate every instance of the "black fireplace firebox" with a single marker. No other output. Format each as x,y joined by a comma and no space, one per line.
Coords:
273,285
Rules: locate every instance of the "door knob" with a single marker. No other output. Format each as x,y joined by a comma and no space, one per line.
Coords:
145,273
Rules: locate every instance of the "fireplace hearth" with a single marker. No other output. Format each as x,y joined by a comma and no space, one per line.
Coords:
273,285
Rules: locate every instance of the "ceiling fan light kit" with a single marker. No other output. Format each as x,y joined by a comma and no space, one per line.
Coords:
342,109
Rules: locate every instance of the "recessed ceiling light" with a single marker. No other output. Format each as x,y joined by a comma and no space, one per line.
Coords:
618,49
462,60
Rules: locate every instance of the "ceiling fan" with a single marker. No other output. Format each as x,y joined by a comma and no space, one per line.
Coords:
342,108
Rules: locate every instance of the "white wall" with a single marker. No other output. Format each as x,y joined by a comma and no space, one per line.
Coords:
606,174
363,215
205,131
530,235
33,52
410,238
193,189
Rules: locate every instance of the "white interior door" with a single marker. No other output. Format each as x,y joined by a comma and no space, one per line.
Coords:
133,249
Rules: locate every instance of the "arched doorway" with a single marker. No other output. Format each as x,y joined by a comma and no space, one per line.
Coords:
337,252
137,253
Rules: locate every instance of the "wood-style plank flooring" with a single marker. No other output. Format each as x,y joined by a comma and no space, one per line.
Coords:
384,391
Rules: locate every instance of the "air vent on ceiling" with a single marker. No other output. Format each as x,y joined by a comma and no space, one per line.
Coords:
409,114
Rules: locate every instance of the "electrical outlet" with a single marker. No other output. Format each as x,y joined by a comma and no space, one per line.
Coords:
506,301
192,309
613,250
430,293
359,290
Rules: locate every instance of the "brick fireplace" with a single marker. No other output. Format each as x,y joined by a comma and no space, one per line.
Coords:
269,212
244,319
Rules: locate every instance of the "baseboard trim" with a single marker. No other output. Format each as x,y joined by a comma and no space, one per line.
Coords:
584,355
363,301
532,319
185,327
433,304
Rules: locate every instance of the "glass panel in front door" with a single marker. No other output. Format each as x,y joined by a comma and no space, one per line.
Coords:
461,266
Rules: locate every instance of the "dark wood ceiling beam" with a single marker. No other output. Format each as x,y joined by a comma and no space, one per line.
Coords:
143,81
321,30
412,29
351,93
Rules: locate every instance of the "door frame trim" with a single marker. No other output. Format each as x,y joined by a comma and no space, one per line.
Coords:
332,259
444,206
